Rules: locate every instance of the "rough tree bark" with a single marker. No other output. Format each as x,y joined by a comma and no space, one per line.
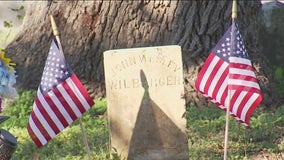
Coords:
88,28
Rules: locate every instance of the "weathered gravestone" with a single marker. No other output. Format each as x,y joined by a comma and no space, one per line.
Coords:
145,108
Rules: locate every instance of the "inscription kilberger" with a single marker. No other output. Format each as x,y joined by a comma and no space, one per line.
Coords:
116,84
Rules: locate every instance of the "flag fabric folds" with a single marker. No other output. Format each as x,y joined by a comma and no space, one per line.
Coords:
60,99
228,78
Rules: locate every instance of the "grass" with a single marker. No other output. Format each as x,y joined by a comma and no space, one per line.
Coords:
205,132
66,145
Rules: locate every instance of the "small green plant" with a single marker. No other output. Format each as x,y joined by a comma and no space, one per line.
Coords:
20,16
100,106
279,76
19,109
8,24
279,73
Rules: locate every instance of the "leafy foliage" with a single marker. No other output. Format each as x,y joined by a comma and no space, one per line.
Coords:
8,24
279,76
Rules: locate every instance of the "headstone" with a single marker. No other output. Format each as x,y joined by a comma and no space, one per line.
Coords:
144,88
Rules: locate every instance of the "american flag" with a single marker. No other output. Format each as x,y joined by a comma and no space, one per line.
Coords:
228,78
60,99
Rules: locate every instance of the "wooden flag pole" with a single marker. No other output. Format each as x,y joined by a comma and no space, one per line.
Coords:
234,15
56,34
85,139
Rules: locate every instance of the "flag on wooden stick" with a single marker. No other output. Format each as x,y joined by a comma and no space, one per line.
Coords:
227,77
60,99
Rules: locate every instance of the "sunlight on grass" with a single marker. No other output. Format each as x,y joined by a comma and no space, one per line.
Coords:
205,133
69,143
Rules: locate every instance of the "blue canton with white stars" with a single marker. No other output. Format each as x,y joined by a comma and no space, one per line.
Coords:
223,47
55,70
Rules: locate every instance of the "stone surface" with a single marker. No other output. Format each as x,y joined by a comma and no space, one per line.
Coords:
145,109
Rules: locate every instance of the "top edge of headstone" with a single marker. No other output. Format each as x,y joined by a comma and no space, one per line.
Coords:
136,48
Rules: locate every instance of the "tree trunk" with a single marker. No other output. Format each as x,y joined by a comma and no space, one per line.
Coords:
88,28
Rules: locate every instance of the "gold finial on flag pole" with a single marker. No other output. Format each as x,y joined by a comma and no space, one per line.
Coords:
56,33
54,27
234,9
